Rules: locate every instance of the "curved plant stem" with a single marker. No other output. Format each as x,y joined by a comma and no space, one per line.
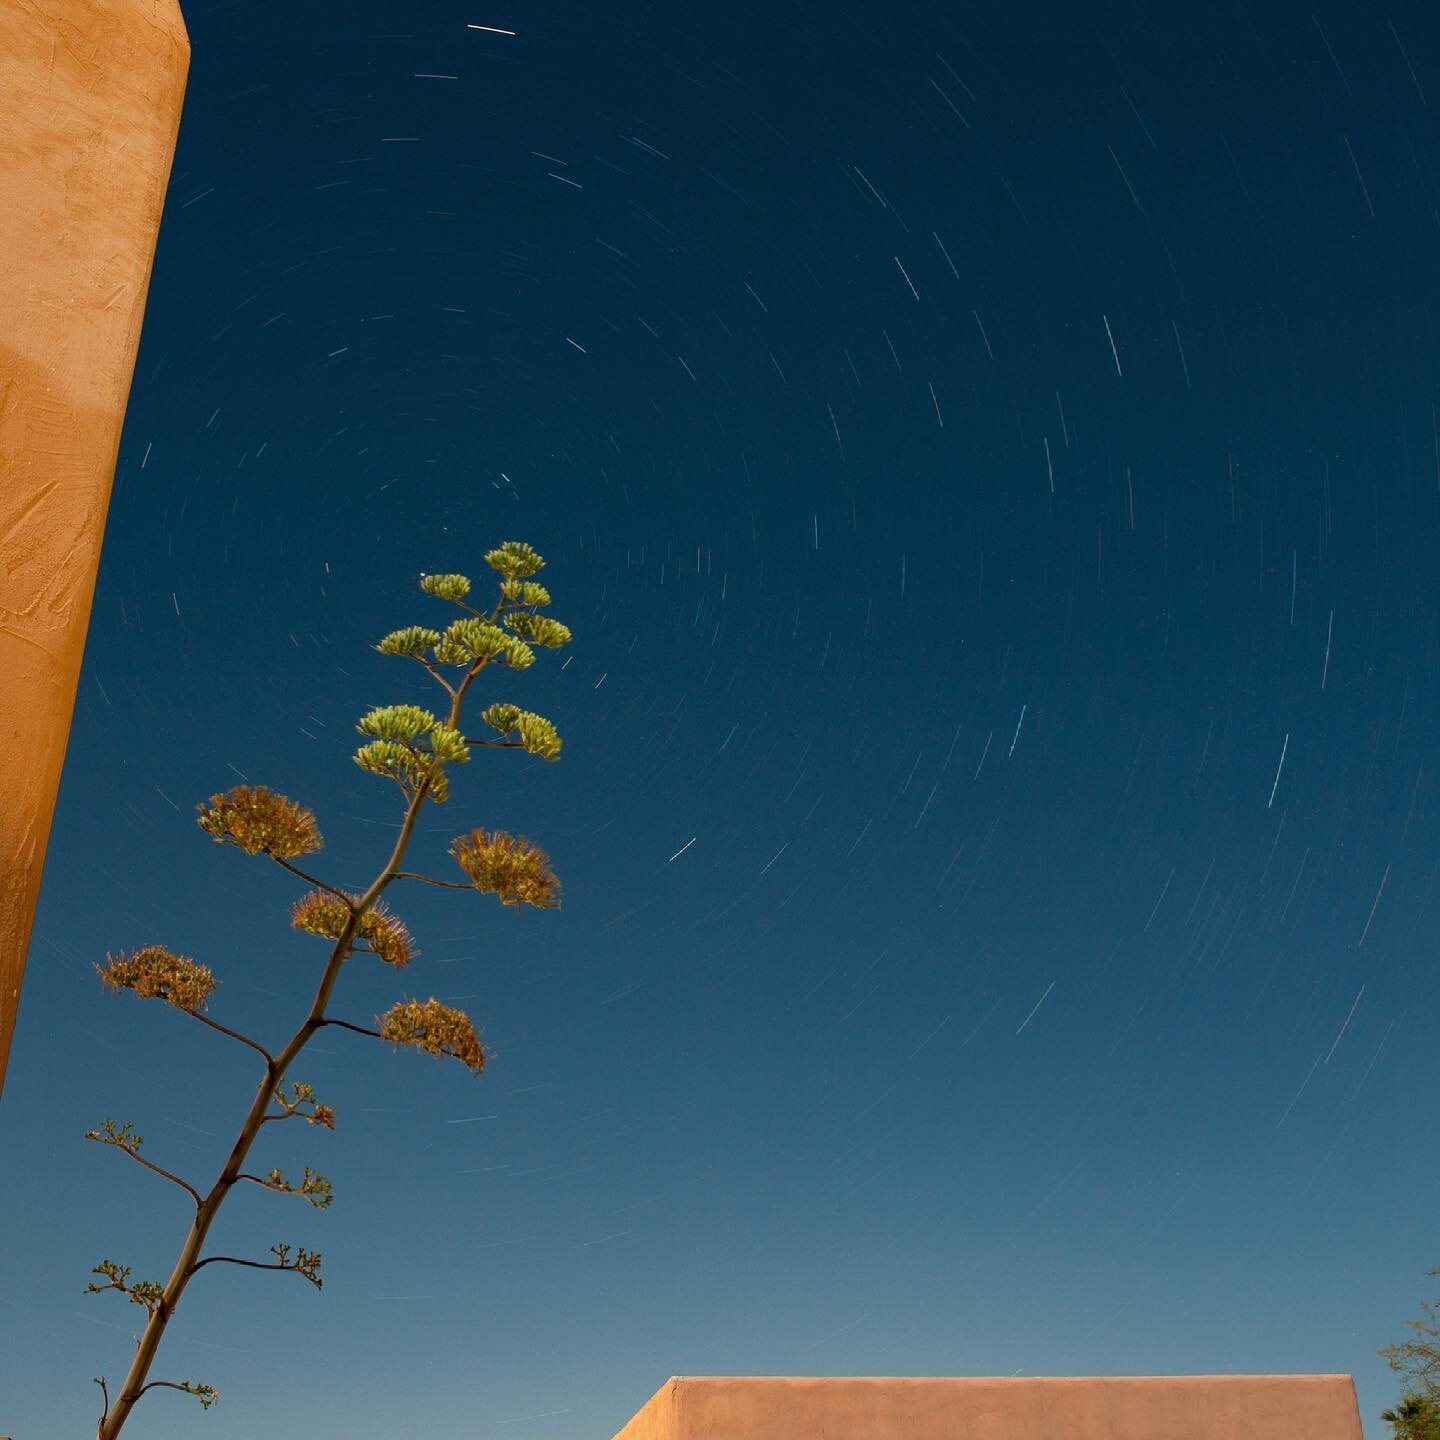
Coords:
134,1385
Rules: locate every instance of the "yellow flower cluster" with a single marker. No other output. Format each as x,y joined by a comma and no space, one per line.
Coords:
154,973
255,819
322,913
509,866
434,1028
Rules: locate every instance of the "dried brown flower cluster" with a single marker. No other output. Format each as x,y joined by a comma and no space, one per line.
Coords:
322,913
509,866
434,1028
154,973
256,819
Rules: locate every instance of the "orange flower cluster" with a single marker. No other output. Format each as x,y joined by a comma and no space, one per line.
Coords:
322,913
255,819
434,1028
509,866
155,973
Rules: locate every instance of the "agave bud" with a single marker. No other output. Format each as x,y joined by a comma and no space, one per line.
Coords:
524,592
515,560
397,722
466,640
539,736
502,719
410,641
518,655
447,587
448,744
538,629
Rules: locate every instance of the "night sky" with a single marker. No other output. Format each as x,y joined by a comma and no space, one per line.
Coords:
989,464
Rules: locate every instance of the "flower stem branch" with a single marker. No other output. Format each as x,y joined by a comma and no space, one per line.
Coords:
233,1034
358,1029
206,1394
307,1263
309,879
124,1139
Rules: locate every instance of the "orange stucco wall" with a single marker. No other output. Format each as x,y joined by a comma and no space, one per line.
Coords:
1150,1407
90,97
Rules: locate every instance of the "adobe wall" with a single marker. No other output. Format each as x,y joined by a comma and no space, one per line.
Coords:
90,97
1166,1407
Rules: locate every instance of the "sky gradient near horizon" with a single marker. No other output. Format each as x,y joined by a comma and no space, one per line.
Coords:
990,466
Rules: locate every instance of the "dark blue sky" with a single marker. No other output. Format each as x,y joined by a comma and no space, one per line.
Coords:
989,465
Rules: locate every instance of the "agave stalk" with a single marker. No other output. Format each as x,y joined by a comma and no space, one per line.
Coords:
519,873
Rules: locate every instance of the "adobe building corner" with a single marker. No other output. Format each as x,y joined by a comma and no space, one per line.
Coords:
90,99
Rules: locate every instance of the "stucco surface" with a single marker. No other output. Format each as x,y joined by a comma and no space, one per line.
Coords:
90,99
1151,1407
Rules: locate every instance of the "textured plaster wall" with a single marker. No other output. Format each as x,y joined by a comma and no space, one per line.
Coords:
90,97
1164,1407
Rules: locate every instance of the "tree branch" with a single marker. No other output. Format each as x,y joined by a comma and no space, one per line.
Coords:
449,689
232,1260
318,1115
233,1034
497,744
359,1030
192,1191
123,1140
448,884
310,879
205,1394
305,1265
310,1186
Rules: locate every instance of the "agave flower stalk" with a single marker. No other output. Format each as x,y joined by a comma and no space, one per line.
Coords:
413,747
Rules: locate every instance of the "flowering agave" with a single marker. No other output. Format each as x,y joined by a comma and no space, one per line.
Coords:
414,747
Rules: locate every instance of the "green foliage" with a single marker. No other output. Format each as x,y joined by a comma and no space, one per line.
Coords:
1418,1415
